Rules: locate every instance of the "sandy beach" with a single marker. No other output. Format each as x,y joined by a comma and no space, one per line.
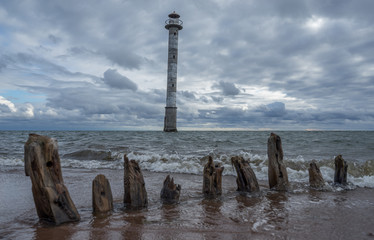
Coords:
299,214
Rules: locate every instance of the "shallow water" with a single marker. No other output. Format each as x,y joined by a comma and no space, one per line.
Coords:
301,213
186,152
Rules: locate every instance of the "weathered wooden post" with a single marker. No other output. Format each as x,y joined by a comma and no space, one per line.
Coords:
51,197
277,172
170,192
135,193
315,176
212,179
246,178
102,199
341,167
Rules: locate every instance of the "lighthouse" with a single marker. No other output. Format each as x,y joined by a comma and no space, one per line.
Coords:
173,25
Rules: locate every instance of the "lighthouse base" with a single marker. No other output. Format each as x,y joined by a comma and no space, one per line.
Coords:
170,121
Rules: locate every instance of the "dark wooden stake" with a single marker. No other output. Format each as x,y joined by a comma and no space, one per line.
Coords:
170,192
212,179
341,167
315,176
277,172
246,178
102,199
51,197
135,193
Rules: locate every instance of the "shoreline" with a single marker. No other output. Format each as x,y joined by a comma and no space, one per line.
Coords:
309,214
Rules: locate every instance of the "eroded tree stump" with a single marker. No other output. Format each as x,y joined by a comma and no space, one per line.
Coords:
51,197
315,176
102,199
170,192
277,172
246,178
212,179
135,193
341,167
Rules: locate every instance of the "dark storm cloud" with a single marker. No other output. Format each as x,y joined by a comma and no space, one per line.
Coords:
54,39
38,64
4,108
107,32
188,94
275,109
122,56
5,60
88,106
315,65
84,99
274,116
227,88
217,99
189,97
116,80
90,99
2,65
80,51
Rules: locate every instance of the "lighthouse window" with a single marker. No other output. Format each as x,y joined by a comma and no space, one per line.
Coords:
173,56
175,33
172,85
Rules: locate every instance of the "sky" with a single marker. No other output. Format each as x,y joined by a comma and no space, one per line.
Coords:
242,65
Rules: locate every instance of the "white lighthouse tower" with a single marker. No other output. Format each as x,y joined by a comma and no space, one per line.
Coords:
173,24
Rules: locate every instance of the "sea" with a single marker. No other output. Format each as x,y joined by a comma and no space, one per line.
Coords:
332,212
188,151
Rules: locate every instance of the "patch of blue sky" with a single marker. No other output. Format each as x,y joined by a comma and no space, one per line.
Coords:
19,96
3,30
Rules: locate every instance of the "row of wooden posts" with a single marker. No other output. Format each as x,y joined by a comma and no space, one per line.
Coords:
53,202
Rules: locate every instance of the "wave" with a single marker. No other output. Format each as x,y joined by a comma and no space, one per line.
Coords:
89,154
359,174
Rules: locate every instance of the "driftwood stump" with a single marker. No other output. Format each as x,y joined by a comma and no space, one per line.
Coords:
246,178
212,180
170,192
341,166
102,199
51,197
315,176
277,172
135,194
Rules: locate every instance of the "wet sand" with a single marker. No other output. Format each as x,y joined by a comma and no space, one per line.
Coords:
300,214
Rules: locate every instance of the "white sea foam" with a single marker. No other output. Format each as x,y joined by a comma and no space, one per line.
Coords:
193,165
258,224
365,181
297,175
12,162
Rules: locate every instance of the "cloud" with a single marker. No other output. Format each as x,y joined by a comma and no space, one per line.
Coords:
28,110
122,56
12,112
275,109
2,65
188,94
227,88
54,39
217,99
6,105
115,80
